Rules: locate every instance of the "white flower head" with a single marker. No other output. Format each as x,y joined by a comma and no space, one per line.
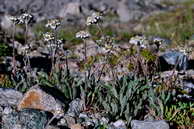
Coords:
83,34
25,18
140,41
95,18
48,36
26,49
13,19
53,24
96,15
59,43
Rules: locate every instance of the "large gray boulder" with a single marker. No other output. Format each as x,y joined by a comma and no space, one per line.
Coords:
156,124
9,97
176,59
37,98
25,119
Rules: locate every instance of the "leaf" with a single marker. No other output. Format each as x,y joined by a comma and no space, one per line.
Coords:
106,106
123,104
114,92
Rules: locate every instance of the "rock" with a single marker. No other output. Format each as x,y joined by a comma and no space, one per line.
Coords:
123,11
7,110
157,124
187,89
191,56
25,119
76,126
52,127
175,58
72,8
36,98
119,124
71,13
9,97
92,120
67,121
6,23
75,107
126,9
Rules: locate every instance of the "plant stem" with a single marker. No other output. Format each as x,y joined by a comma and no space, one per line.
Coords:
13,54
98,25
104,64
67,67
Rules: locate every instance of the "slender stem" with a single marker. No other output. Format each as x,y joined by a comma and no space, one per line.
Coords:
101,72
67,67
98,25
85,54
26,43
54,51
85,50
104,65
13,54
26,32
52,60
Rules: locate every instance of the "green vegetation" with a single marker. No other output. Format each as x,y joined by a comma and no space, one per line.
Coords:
129,97
126,99
5,50
176,25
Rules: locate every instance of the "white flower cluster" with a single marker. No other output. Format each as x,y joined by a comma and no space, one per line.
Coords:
83,34
140,41
57,45
105,42
95,18
14,19
53,24
48,36
25,18
25,49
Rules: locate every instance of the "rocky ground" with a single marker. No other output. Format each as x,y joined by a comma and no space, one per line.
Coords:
63,80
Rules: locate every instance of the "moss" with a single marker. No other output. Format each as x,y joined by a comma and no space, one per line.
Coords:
130,67
113,60
5,50
90,61
5,82
148,55
20,37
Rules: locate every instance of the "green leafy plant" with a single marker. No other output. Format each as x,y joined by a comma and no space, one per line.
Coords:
180,114
126,99
162,105
5,50
157,103
67,84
